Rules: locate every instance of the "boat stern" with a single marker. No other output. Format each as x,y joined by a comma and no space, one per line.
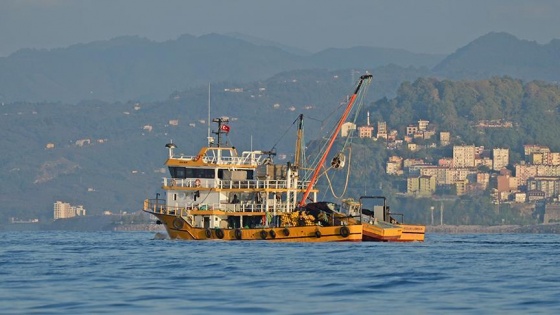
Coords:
412,233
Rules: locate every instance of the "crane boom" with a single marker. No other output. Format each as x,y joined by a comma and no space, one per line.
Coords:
366,77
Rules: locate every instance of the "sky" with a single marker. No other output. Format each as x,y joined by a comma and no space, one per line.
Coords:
422,26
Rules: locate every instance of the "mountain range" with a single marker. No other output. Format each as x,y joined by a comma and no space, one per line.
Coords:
503,54
135,68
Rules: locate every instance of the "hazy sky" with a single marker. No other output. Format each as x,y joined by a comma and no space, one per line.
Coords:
431,26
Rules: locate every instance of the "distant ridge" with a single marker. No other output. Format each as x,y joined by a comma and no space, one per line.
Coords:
362,56
131,67
265,42
503,54
134,68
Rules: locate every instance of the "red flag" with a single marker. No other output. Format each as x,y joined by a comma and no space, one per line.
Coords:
225,128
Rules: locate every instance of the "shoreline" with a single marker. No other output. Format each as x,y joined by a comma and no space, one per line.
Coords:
479,229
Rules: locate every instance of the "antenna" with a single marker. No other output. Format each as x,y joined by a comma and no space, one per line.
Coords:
208,121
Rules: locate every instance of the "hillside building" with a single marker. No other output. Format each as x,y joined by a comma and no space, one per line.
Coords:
63,210
423,125
483,162
382,130
365,131
461,186
444,138
411,130
519,197
421,185
347,128
500,158
464,156
534,148
550,185
439,173
482,180
394,165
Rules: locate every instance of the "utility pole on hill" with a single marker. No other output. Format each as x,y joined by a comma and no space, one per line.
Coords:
432,210
441,214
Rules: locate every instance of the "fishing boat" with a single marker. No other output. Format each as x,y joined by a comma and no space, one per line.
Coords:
221,194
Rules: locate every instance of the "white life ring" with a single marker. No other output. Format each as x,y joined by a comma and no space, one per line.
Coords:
197,182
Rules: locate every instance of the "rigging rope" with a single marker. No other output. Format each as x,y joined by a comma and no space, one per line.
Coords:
283,135
347,177
317,157
347,144
357,97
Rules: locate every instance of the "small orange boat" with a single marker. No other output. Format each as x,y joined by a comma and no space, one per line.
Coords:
380,224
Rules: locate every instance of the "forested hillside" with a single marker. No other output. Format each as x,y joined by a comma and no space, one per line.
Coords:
457,105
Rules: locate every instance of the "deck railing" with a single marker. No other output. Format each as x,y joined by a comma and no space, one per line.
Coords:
158,206
230,184
226,160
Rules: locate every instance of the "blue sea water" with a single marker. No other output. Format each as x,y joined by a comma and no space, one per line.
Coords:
131,272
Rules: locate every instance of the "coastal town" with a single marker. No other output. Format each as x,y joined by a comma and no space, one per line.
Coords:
472,169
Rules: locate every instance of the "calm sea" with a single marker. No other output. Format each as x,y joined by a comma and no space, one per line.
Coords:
131,272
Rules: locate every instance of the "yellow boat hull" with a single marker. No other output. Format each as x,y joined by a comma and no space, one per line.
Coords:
412,233
377,233
178,228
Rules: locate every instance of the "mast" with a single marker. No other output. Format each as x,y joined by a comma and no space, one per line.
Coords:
222,128
297,157
333,137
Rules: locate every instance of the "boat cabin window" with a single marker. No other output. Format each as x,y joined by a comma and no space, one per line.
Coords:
177,172
183,172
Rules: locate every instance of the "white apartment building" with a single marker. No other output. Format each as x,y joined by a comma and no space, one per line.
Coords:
346,128
63,210
464,156
500,158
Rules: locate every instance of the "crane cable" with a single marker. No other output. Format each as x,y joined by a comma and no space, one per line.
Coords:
360,97
347,143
